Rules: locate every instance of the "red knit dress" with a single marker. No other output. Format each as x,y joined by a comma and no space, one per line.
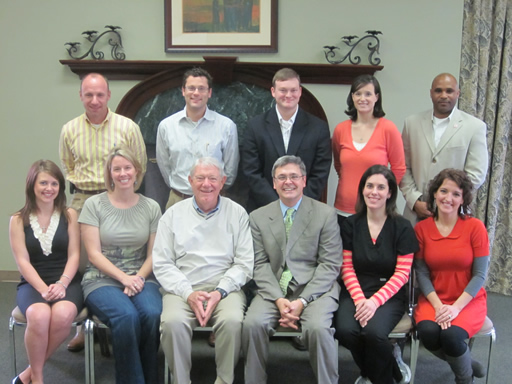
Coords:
450,261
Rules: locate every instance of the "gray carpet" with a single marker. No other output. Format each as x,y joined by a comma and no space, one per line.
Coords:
286,365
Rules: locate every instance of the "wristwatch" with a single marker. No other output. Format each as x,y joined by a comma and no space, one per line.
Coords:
304,302
222,292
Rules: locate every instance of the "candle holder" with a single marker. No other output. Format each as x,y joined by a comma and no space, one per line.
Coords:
93,37
334,57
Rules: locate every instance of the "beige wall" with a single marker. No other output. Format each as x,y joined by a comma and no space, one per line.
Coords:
38,94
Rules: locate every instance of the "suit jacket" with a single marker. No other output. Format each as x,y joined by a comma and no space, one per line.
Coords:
263,145
313,252
462,146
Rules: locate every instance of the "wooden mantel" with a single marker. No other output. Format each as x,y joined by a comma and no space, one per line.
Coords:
221,68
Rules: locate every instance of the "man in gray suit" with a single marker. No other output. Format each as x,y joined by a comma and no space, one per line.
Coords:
297,258
443,137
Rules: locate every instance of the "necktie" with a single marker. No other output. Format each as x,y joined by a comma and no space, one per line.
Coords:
286,276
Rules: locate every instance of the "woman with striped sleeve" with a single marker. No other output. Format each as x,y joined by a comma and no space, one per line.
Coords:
378,248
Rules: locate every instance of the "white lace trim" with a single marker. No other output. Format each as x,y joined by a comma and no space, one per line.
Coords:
45,239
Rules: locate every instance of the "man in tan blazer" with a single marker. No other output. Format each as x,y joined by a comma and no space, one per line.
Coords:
297,237
443,137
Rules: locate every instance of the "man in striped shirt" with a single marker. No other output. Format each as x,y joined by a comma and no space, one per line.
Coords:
84,145
86,140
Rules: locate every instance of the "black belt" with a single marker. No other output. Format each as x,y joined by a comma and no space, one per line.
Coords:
93,192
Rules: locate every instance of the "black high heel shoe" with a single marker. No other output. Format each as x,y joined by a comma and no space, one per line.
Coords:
17,380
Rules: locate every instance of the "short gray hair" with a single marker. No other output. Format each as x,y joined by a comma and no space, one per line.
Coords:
208,161
285,160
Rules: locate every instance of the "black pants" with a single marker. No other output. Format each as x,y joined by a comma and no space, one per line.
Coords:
370,347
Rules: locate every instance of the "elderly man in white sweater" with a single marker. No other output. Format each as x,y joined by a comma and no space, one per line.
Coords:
203,255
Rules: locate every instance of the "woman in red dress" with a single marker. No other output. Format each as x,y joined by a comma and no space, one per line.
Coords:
451,268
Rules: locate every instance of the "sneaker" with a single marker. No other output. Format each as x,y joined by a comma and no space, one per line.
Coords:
404,368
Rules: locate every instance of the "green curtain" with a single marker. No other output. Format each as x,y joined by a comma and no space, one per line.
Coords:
486,92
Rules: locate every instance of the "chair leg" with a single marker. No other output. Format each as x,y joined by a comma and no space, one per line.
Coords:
89,351
12,340
167,376
492,340
415,345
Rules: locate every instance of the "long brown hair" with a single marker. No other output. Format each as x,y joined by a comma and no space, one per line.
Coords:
49,167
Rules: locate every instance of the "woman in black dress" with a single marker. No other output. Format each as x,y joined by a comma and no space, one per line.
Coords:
45,242
378,248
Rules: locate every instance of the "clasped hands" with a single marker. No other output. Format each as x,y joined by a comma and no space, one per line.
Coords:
133,284
54,292
365,309
445,314
203,303
290,312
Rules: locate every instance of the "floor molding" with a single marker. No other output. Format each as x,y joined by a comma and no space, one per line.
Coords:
9,276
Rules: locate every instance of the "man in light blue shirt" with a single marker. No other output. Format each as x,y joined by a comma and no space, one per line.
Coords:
193,133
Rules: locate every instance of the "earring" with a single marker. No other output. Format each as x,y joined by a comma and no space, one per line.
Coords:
112,186
135,183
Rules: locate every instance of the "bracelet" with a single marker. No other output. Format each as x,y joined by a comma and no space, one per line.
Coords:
66,276
142,278
61,283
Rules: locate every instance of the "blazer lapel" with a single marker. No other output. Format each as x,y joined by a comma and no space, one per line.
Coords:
299,129
276,225
274,132
300,223
428,132
454,126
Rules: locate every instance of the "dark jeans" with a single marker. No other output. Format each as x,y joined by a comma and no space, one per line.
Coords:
134,323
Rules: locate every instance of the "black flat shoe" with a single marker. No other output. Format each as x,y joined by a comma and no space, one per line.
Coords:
17,380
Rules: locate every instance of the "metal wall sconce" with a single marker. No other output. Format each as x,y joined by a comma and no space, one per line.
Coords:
91,36
332,56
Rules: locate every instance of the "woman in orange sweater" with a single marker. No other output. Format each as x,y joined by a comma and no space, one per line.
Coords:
366,139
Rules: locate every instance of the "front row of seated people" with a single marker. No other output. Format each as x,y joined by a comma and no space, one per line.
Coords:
205,249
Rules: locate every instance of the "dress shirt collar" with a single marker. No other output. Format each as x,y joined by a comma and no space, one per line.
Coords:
200,211
284,208
208,115
292,119
437,120
107,118
439,126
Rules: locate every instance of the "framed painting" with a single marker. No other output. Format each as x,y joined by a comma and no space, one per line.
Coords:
221,25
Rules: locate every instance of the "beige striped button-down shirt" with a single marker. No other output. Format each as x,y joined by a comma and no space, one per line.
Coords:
83,148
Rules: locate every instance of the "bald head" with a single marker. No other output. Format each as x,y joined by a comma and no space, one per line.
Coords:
95,94
444,94
96,76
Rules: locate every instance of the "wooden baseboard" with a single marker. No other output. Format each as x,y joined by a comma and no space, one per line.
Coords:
9,276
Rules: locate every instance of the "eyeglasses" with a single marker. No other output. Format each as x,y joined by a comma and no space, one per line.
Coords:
201,179
192,89
292,177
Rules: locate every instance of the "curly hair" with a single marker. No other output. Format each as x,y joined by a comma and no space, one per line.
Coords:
463,182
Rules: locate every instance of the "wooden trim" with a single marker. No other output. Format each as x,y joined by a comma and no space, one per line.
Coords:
142,69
